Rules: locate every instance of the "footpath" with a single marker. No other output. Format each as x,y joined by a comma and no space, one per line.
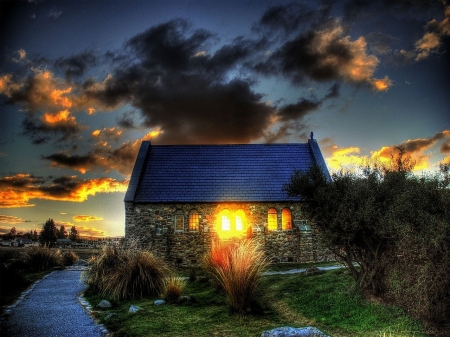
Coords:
51,307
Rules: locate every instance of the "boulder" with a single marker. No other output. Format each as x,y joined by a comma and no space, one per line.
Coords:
287,331
104,304
159,302
133,309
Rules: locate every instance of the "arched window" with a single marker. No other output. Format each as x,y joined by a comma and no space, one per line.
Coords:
225,220
179,221
286,219
193,221
272,224
240,220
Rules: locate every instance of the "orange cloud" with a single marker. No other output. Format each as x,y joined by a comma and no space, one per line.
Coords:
431,40
86,218
11,219
18,190
360,66
350,157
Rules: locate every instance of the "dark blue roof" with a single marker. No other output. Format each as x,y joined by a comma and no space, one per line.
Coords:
218,173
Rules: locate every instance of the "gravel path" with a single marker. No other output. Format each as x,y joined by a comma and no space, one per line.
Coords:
51,308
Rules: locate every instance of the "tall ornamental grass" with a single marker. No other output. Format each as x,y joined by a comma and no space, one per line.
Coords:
237,268
126,273
42,258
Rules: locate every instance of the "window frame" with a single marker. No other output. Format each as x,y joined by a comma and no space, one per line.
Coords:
283,219
272,219
194,221
178,216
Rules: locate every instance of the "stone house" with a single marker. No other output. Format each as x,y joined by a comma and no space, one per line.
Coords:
183,197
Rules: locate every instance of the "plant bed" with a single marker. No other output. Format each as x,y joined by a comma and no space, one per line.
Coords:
327,301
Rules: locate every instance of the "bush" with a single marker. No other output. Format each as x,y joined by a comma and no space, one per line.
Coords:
42,258
237,268
123,274
173,288
69,257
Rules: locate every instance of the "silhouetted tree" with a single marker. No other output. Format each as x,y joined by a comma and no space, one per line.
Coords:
74,234
62,233
49,233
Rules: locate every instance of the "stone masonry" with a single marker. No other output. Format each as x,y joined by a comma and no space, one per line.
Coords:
153,226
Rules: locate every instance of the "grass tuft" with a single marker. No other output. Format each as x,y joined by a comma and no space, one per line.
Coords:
126,273
173,287
42,258
237,268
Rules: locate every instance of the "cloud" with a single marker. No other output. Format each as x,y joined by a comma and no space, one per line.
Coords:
8,219
21,56
18,190
86,218
90,231
54,14
76,65
432,39
337,157
325,54
103,157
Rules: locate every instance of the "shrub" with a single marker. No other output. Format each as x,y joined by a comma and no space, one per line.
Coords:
69,257
173,288
237,268
42,258
123,274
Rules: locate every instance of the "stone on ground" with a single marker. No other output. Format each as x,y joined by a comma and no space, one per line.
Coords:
287,331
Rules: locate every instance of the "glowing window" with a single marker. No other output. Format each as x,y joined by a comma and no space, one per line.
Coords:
272,219
238,223
286,219
179,222
193,221
226,225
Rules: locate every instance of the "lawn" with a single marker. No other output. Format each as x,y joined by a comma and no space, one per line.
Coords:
327,301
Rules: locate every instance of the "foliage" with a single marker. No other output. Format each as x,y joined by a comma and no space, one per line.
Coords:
69,257
62,233
126,273
295,300
172,288
49,233
74,234
237,267
42,258
390,222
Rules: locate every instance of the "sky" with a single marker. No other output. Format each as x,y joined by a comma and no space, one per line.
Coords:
83,83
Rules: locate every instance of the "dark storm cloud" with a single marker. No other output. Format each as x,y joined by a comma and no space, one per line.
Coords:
183,90
72,161
127,120
298,110
292,17
41,132
76,65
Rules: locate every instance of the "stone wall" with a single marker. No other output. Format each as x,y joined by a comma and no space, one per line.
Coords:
153,226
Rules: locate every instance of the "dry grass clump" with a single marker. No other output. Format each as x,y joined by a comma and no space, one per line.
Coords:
237,268
42,258
126,273
173,287
69,257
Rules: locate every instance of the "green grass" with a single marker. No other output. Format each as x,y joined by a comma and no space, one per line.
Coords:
326,301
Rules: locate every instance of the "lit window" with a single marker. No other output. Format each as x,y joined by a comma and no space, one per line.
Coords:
286,221
272,219
179,222
226,226
238,223
193,221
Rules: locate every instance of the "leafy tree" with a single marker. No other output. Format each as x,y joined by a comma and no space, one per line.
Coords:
49,233
74,234
62,233
394,225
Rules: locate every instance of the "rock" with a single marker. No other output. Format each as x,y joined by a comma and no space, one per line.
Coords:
287,331
133,309
184,300
159,302
104,304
